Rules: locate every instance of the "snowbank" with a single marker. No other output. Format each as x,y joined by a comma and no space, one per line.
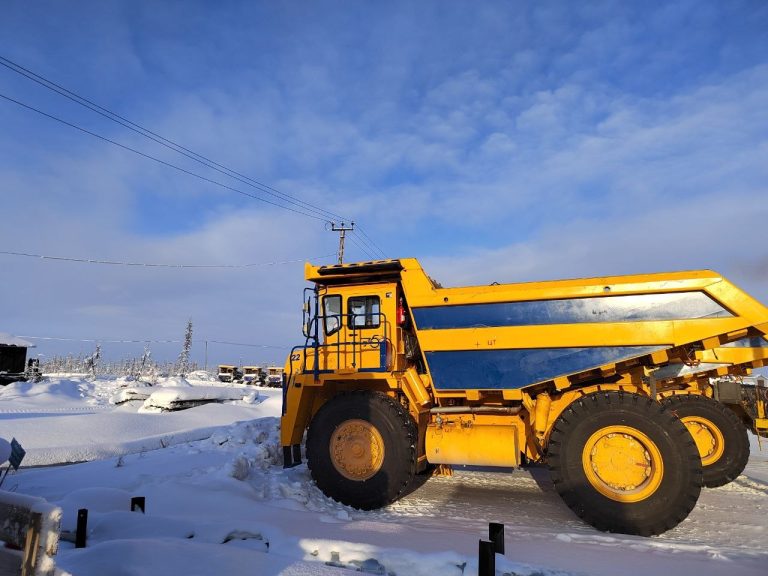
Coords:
63,421
174,397
223,504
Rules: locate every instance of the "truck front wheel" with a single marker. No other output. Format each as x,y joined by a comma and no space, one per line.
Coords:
720,436
624,463
361,449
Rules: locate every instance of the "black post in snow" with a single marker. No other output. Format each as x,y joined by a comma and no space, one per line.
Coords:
496,535
486,565
82,527
138,502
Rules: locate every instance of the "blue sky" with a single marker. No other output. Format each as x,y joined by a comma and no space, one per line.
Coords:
495,141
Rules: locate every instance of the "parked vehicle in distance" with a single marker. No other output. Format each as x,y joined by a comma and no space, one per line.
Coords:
253,375
275,376
230,373
13,359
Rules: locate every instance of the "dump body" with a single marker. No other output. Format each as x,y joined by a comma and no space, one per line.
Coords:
521,335
487,374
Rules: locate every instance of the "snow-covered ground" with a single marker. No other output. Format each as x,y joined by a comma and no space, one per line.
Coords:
219,502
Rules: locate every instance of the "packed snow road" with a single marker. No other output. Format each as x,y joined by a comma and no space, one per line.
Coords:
219,502
728,527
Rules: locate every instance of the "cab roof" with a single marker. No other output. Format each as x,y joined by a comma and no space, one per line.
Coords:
373,270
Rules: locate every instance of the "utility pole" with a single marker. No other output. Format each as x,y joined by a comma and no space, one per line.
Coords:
342,230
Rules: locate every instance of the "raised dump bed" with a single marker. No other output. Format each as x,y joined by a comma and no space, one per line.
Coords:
398,373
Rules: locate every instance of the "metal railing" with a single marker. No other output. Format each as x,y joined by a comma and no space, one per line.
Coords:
348,353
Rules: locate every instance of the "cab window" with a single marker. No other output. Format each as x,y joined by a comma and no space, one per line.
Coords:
363,312
332,314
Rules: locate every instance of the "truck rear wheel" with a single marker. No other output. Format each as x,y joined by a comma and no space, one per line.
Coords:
624,463
720,436
360,449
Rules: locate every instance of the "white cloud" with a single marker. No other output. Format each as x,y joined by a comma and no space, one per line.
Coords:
722,232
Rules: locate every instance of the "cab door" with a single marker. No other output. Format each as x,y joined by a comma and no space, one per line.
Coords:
357,326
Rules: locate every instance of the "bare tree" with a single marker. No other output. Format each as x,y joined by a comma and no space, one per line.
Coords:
91,363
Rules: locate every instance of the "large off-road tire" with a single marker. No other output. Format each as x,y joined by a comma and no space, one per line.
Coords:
720,436
624,463
361,449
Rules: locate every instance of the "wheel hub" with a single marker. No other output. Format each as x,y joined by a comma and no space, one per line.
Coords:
622,463
357,450
708,437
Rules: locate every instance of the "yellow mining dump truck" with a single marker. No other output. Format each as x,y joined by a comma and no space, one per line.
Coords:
253,375
399,376
229,373
274,376
720,373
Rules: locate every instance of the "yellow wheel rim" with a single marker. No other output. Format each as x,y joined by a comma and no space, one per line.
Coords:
357,450
708,437
622,463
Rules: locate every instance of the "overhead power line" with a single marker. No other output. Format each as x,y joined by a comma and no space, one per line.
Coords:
178,148
170,144
248,345
156,265
369,247
158,160
101,340
371,242
361,247
130,341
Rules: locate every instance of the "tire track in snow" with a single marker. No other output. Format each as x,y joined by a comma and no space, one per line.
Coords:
528,505
72,410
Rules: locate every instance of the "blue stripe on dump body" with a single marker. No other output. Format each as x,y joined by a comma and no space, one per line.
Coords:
497,369
626,308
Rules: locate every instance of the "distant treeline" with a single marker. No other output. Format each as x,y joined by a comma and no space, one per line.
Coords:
143,367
